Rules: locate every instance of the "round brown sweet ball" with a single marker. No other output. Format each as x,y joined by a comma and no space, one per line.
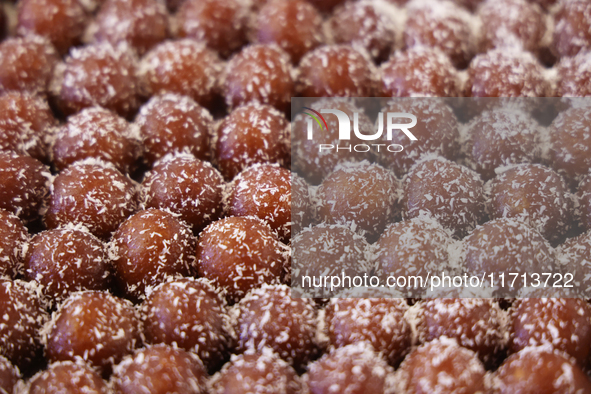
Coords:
65,261
507,245
301,205
379,321
574,76
99,133
584,195
259,73
418,71
326,250
264,191
361,195
295,25
478,324
98,75
451,193
23,315
238,254
26,124
443,25
67,377
353,369
186,67
506,72
140,23
565,323
61,21
269,317
220,24
149,247
536,194
501,137
253,133
191,314
93,326
436,133
94,194
13,237
26,64
364,25
160,369
336,71
9,376
570,144
172,123
572,31
540,370
512,22
260,372
185,186
413,247
311,163
442,366
24,189
574,255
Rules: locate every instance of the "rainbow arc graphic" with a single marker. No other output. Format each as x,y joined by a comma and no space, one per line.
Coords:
315,115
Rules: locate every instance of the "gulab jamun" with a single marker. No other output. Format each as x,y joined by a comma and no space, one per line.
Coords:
9,376
26,124
295,25
61,21
185,67
574,256
160,369
574,76
336,71
149,247
361,195
442,25
92,193
259,73
584,194
220,24
499,138
451,193
441,366
67,377
572,31
187,187
353,369
172,123
13,237
99,133
26,64
257,372
269,316
240,253
65,261
191,314
379,321
23,316
93,326
140,23
253,133
570,144
363,25
264,191
536,194
418,71
24,189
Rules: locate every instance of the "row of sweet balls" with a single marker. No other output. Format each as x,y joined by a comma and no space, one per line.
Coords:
109,76
376,26
365,338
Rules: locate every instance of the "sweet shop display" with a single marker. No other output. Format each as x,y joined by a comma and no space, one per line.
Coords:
161,188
